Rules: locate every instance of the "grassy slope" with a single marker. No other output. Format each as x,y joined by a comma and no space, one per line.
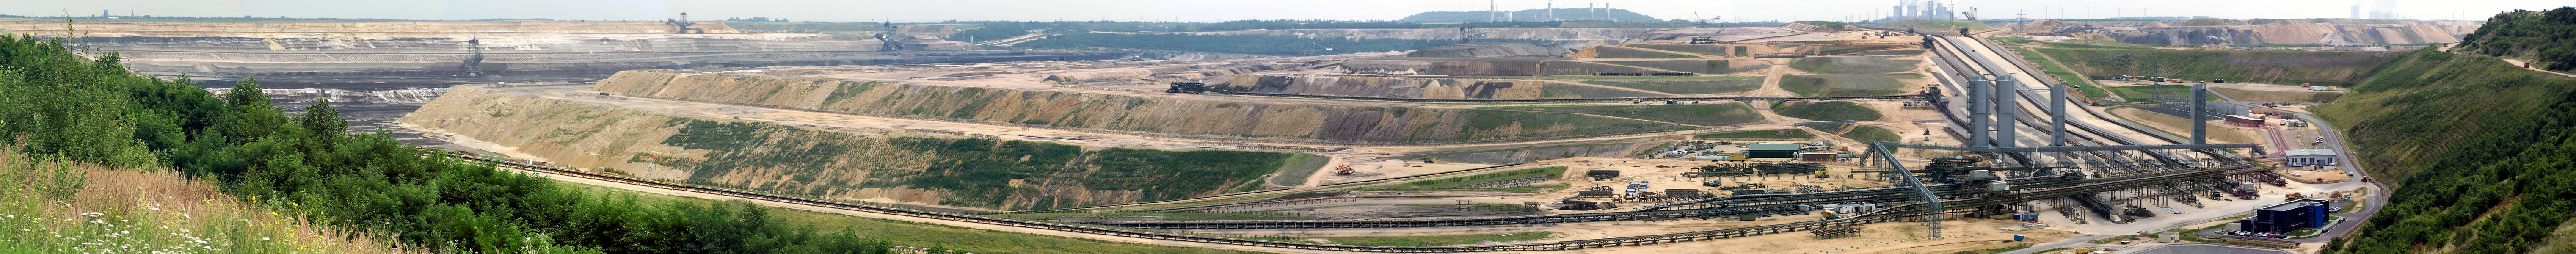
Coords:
1844,85
924,234
2478,149
146,211
1715,85
1827,111
2325,68
1852,65
2086,86
1867,134
975,171
1706,114
1766,134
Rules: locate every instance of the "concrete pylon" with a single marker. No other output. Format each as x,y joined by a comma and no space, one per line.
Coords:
2007,96
1977,106
2199,103
2057,116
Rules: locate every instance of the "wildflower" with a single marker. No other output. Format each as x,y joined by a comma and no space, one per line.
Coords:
263,239
92,214
153,208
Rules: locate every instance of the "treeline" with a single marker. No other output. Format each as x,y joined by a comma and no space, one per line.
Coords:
995,30
2479,151
1239,44
56,103
2547,38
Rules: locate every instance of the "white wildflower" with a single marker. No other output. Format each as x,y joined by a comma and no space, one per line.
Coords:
153,208
92,214
263,239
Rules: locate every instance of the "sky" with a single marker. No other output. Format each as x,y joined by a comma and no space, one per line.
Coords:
1222,10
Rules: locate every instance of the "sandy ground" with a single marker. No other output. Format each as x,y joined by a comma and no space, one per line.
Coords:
2219,131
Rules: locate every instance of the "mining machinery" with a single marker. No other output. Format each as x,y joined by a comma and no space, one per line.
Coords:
1702,40
473,63
1191,86
682,25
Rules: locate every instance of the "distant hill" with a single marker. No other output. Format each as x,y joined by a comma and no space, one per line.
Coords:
2547,38
1531,15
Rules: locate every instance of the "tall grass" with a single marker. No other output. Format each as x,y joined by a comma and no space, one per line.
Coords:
113,210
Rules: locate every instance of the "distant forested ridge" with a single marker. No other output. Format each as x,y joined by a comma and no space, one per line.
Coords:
2548,38
1622,15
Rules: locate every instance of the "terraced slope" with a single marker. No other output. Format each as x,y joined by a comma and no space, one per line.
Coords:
1425,88
1207,116
2324,68
875,167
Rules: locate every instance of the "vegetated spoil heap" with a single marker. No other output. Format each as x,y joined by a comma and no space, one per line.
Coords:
1183,115
879,166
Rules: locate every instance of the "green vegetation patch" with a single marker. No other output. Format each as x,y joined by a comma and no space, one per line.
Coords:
1845,85
2324,68
910,233
975,171
1152,216
1624,52
1827,111
2543,37
1703,49
2011,40
1872,134
2147,93
2085,86
1703,114
1853,65
1445,183
1715,85
1759,134
2475,147
1900,52
1847,50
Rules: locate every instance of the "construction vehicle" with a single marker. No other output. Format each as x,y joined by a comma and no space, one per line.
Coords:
1344,170
1430,160
1702,40
1821,174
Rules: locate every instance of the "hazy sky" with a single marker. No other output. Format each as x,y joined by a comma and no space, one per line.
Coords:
1221,10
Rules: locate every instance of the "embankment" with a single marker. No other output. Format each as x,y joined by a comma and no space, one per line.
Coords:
872,167
2477,148
2325,68
1188,115
1496,66
1423,88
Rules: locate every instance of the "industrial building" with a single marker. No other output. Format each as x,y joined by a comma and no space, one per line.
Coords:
1772,150
2305,157
2286,217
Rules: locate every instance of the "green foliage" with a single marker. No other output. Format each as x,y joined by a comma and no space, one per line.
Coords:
1710,85
1759,134
2478,147
2084,86
2012,40
1853,65
1871,134
1827,111
1845,85
1276,45
977,171
1704,114
2546,37
90,112
2324,68
1847,50
1824,26
1445,183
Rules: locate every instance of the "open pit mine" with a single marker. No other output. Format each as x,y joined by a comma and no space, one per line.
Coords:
1799,138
